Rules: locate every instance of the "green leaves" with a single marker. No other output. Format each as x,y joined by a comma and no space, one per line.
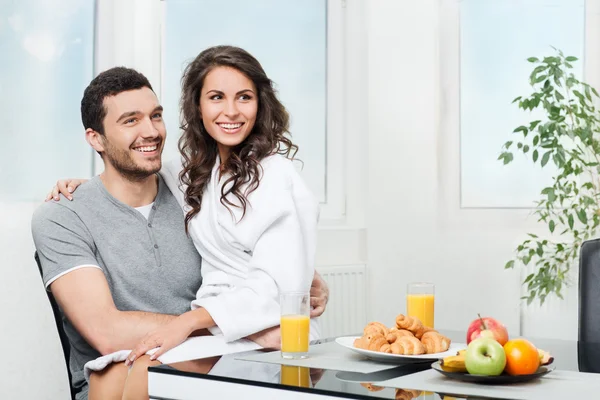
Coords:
506,156
549,192
533,124
571,221
545,158
567,132
582,216
521,129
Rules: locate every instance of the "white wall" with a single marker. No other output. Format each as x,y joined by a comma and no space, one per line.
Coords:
33,366
416,230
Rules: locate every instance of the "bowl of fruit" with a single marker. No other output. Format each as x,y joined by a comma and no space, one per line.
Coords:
491,357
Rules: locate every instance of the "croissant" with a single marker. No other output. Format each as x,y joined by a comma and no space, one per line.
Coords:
407,394
361,342
376,327
425,329
375,342
412,324
407,345
396,334
379,343
435,342
371,388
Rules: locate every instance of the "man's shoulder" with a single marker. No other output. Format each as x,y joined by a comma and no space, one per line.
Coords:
52,211
64,208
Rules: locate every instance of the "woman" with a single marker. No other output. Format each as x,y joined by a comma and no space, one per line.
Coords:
250,215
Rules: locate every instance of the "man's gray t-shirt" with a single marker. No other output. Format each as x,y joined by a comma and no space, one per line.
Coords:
150,264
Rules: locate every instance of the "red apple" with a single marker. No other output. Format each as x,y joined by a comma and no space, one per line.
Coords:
487,327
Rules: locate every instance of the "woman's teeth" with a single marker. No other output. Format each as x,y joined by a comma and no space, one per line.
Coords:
230,126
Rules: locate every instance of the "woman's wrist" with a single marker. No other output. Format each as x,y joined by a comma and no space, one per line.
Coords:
197,319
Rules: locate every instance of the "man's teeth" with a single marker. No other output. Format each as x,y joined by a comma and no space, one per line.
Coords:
146,148
230,126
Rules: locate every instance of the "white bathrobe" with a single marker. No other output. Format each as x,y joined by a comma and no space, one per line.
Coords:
247,262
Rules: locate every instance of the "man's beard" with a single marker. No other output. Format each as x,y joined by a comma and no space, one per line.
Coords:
122,161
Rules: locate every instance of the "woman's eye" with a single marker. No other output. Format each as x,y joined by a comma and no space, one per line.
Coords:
245,97
216,97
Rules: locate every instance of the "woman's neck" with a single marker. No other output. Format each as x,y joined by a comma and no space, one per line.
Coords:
224,152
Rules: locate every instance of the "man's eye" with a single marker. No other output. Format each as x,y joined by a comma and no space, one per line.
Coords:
157,116
130,120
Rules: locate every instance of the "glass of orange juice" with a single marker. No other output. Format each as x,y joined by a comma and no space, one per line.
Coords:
295,324
295,376
420,302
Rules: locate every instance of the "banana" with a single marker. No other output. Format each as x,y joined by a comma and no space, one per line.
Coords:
454,363
545,357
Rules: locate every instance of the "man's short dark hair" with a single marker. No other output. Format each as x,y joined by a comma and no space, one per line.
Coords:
108,83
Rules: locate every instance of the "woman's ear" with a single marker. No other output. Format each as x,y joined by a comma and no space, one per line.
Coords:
95,139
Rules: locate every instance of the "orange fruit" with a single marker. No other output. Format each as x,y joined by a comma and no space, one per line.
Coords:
522,357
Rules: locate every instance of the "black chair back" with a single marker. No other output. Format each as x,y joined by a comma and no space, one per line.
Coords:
589,291
64,340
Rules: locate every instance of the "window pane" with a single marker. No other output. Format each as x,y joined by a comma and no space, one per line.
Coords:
496,38
48,50
287,37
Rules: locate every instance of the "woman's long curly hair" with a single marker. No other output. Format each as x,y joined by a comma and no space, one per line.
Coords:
199,149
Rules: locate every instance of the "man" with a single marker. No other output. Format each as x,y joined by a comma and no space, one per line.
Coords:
117,258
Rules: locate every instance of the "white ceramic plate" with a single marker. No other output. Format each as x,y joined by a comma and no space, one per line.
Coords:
348,342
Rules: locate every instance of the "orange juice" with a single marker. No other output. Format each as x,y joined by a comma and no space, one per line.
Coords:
295,376
422,307
295,331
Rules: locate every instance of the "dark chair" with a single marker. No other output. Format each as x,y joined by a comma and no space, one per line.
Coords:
589,292
64,341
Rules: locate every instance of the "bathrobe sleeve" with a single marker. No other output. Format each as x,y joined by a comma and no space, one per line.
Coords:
170,173
279,230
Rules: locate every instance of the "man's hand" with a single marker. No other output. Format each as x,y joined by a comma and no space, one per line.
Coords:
269,338
319,295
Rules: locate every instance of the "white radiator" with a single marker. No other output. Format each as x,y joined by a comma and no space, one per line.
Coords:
346,309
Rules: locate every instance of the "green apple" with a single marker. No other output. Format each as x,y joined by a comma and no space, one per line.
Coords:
485,356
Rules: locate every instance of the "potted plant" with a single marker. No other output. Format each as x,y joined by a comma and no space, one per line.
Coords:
569,137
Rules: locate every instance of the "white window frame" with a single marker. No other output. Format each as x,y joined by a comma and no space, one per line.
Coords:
451,211
131,33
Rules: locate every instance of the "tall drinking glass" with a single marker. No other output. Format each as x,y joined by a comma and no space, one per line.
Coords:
420,302
295,324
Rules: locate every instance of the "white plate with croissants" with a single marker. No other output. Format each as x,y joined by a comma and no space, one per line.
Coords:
408,341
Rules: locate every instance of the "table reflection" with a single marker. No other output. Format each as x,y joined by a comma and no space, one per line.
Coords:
407,394
295,376
569,356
